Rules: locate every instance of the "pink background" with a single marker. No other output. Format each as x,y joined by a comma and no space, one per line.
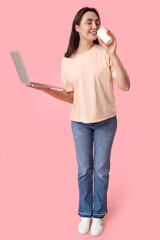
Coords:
38,168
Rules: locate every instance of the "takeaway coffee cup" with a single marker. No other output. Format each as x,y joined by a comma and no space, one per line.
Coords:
102,34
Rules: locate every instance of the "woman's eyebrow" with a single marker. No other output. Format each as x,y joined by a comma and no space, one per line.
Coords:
91,19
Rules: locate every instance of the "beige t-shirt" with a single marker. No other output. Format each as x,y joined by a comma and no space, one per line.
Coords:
90,75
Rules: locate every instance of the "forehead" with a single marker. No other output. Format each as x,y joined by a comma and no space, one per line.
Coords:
90,15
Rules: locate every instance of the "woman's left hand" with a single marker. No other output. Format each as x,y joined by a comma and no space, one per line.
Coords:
110,49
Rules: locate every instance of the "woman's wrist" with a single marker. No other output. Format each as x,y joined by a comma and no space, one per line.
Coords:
46,90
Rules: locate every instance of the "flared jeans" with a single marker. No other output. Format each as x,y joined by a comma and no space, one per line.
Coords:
93,143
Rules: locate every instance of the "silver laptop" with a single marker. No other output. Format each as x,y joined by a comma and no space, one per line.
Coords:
21,70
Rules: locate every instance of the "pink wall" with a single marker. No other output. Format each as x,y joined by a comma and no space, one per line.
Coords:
38,169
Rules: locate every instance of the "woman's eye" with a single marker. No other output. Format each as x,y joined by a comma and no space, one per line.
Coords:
96,23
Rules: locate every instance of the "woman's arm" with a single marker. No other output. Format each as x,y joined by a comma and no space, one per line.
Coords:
61,95
122,79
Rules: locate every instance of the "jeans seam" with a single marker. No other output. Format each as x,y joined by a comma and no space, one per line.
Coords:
99,213
84,213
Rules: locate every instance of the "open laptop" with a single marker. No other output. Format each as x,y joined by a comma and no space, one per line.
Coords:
21,70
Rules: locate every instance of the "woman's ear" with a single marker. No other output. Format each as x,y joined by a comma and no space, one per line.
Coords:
77,28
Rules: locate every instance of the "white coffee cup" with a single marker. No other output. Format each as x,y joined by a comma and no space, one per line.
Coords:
102,34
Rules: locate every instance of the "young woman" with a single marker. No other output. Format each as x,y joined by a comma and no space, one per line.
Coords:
89,69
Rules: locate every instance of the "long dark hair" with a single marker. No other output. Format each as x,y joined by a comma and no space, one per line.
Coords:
74,37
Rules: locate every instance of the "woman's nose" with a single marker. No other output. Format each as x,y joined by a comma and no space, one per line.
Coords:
94,25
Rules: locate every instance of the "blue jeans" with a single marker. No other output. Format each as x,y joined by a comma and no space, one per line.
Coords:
98,136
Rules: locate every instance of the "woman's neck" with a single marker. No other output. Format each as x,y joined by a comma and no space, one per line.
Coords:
84,47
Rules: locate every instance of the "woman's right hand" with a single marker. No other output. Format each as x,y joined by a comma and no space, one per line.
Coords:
38,88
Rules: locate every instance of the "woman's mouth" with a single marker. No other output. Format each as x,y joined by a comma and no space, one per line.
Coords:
93,33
